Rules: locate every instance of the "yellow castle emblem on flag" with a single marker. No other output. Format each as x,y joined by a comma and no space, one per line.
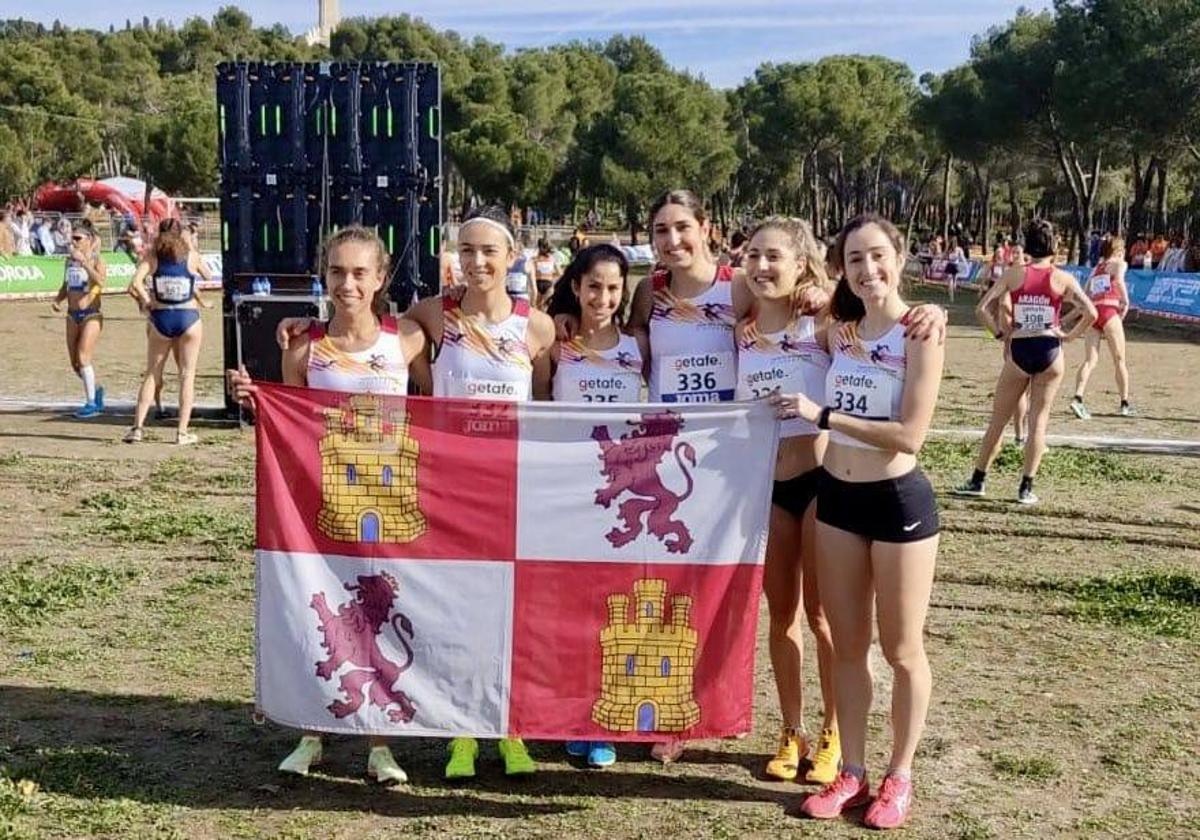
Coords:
648,664
369,474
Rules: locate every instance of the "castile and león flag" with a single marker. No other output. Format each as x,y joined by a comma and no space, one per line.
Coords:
451,567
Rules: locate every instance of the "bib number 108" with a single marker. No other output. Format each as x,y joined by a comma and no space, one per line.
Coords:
849,402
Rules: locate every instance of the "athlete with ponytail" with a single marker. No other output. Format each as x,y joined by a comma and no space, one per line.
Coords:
781,350
359,351
877,519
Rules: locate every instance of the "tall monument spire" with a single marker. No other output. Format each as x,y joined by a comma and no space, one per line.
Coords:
328,18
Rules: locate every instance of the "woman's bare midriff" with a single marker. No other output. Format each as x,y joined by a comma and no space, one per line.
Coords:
799,455
852,463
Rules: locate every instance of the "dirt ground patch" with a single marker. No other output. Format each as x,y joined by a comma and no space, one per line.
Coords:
1062,639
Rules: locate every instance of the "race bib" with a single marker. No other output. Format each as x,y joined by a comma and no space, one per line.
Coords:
1033,317
697,377
784,374
866,392
77,278
610,388
469,388
1101,284
172,289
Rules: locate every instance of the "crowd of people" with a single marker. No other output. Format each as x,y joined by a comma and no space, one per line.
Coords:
28,234
860,367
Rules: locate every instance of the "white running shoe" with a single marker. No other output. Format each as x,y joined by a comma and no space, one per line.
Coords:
306,755
382,767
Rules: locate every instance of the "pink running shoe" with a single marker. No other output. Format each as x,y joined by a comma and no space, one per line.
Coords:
892,804
846,791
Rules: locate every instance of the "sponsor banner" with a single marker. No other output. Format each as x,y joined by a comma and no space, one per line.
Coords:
1173,295
1167,294
22,277
453,567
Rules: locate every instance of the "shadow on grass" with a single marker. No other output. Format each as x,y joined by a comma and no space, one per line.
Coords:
210,754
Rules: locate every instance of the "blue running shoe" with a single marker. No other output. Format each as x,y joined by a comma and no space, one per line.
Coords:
578,749
100,398
87,411
602,754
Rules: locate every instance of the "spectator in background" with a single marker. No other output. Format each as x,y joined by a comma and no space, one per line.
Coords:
1094,248
1173,259
577,242
8,245
1158,249
956,260
737,248
1191,259
716,246
62,236
43,236
130,241
1139,248
21,226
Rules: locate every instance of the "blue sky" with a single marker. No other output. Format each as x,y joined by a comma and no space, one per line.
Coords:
723,40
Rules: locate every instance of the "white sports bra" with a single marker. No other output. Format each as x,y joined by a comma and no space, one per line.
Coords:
483,361
866,378
789,361
380,369
586,375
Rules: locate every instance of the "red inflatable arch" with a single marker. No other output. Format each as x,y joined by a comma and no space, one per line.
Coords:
121,195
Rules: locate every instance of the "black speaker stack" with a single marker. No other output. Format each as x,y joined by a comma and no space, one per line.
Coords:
308,148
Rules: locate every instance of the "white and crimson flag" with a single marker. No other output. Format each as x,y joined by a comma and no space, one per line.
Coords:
448,567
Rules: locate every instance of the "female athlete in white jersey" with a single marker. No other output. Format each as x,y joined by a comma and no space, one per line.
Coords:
687,310
358,351
877,521
600,363
780,350
487,346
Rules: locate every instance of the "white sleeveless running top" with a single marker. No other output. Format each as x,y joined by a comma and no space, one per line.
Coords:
790,361
482,361
380,369
692,353
586,375
866,378
76,277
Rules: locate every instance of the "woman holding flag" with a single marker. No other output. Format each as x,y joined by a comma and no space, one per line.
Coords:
488,346
360,350
485,345
600,363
